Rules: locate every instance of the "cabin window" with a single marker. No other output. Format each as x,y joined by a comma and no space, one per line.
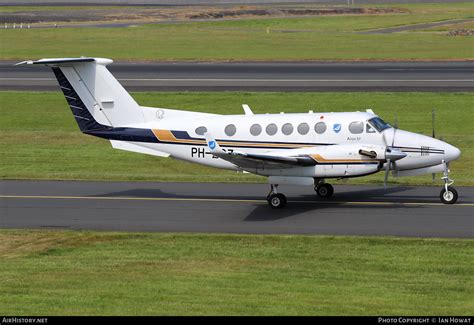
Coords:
230,130
201,130
369,129
356,127
255,129
287,129
320,128
303,128
271,129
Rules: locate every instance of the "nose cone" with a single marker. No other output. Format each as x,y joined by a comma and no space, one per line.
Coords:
422,151
451,152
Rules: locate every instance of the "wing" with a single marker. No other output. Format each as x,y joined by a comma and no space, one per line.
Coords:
251,161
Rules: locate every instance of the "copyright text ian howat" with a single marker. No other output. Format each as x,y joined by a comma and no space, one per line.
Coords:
424,320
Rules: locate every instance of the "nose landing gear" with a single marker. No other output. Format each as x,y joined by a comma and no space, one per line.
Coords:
448,194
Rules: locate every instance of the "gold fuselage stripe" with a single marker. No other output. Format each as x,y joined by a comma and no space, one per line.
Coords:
321,159
167,136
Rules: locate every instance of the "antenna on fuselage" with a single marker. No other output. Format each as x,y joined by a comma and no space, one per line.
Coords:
247,109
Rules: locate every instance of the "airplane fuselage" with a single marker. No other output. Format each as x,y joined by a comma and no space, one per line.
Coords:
183,138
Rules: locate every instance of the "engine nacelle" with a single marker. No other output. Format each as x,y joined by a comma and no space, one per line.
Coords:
335,161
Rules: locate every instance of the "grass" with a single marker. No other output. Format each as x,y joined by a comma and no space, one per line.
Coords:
39,138
95,273
360,22
328,38
445,28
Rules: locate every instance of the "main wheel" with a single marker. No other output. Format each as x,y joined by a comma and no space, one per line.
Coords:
450,196
276,201
324,191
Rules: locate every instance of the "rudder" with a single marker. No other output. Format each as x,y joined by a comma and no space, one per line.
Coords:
96,98
82,115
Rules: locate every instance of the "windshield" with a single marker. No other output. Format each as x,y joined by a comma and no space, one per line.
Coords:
379,124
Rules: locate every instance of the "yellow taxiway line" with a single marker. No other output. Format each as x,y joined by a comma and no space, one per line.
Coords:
220,200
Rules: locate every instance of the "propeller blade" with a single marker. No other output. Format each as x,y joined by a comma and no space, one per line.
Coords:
393,137
387,169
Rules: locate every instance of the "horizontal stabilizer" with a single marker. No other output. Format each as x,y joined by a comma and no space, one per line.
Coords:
66,61
129,146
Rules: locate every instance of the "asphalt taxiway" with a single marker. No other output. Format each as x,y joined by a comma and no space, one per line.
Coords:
234,208
264,76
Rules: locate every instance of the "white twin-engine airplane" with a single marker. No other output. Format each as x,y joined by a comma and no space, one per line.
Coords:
300,149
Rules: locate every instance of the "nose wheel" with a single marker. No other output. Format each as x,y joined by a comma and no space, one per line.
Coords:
276,200
324,190
448,194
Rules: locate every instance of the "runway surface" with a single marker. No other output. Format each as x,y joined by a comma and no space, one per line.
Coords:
196,2
370,76
234,208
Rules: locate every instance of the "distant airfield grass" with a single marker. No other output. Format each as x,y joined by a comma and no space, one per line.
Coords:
307,38
39,138
105,273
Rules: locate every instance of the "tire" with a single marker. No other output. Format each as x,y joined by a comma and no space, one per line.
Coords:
450,196
277,201
325,191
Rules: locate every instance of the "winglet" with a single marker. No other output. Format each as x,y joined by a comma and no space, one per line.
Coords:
247,109
212,143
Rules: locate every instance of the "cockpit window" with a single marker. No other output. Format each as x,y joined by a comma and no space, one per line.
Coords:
379,124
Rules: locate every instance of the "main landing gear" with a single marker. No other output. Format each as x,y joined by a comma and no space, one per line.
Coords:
448,194
324,190
276,200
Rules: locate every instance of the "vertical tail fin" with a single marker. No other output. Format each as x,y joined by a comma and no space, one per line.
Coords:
82,115
96,98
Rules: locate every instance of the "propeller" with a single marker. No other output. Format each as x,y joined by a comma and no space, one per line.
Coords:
433,135
391,154
433,112
387,170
